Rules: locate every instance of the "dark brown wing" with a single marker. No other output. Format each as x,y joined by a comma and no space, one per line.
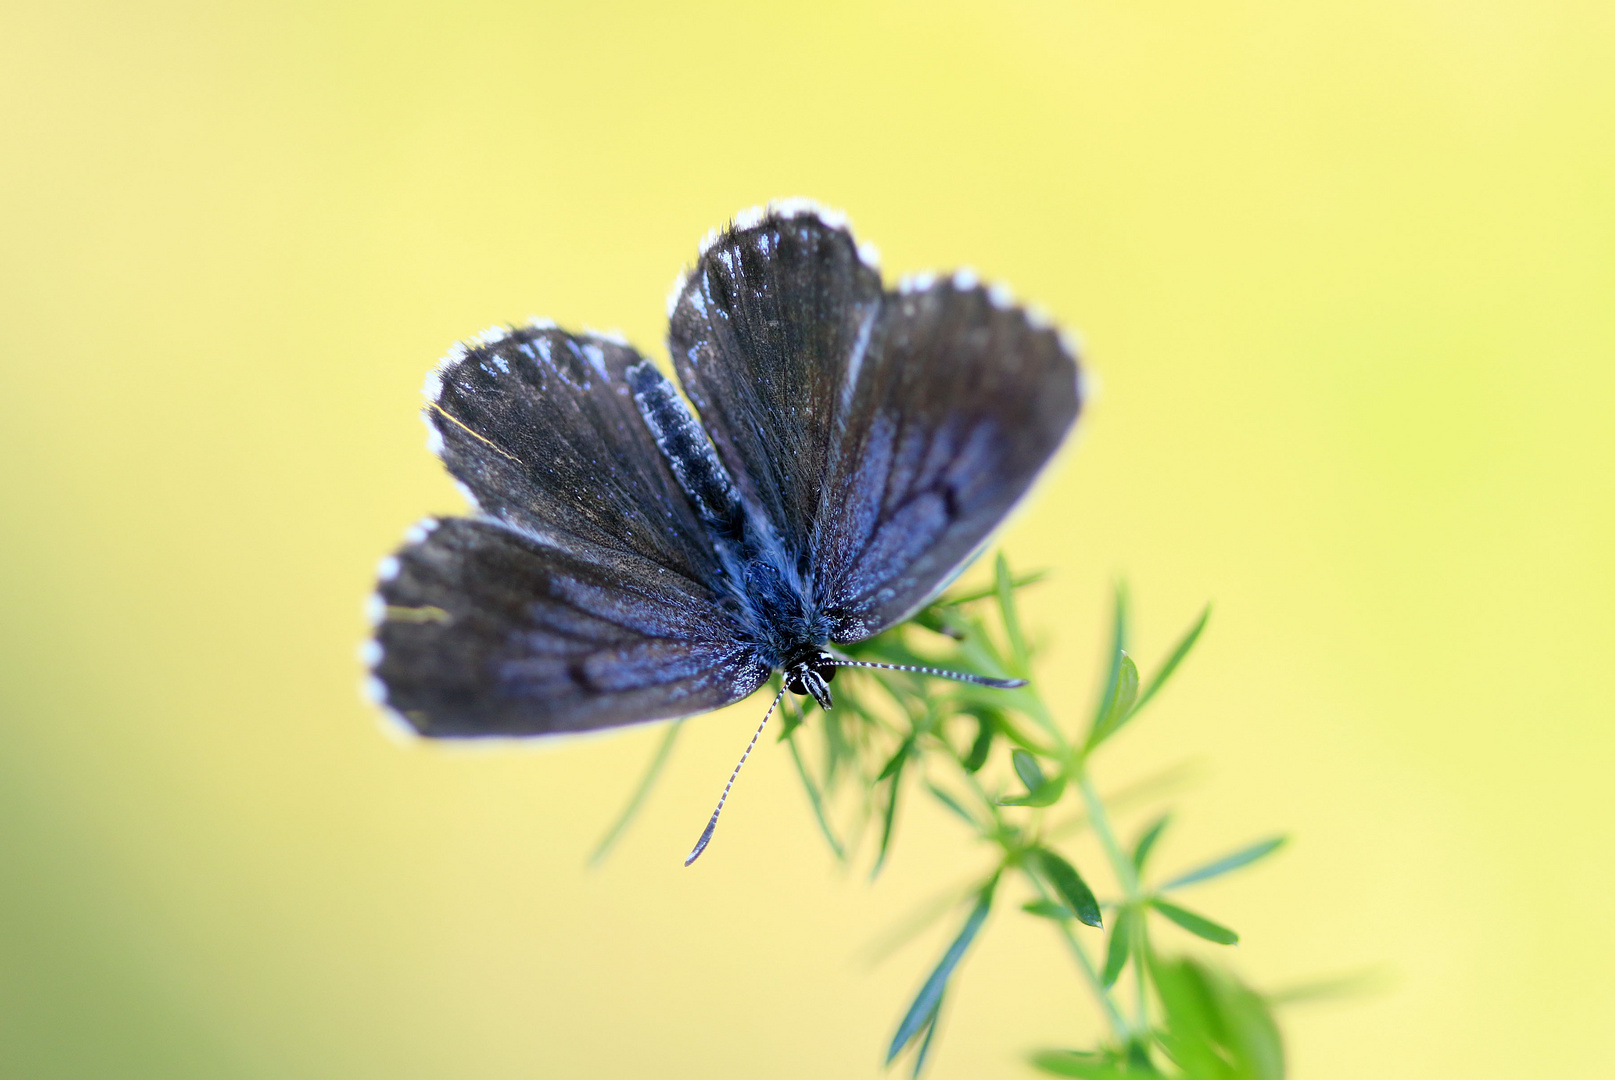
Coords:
483,630
763,333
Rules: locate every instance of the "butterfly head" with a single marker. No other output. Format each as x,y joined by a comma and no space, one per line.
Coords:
809,672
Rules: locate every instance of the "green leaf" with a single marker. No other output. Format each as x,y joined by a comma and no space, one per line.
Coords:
1040,790
791,719
1214,1025
895,770
637,799
895,762
1121,943
1120,707
1007,727
1081,1065
1048,909
1198,925
986,728
816,800
1047,795
930,1033
1069,884
952,804
1141,850
1012,619
930,995
837,750
1118,651
1027,768
1367,981
1021,582
1178,653
1216,868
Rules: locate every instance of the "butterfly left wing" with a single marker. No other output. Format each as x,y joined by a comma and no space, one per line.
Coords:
484,629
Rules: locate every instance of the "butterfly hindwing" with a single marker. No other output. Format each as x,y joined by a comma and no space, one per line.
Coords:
486,630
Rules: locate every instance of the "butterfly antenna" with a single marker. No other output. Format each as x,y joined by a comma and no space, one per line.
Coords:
706,834
956,676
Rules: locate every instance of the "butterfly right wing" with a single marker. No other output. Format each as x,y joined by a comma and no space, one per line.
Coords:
487,630
961,400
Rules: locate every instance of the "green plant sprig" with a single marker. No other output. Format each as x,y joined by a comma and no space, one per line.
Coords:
896,734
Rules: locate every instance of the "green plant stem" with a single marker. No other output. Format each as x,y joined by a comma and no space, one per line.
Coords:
1127,877
1118,1023
815,799
1126,874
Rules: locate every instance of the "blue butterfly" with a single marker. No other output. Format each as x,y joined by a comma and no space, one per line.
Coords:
629,559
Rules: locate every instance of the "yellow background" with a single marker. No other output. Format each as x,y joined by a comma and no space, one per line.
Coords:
1344,272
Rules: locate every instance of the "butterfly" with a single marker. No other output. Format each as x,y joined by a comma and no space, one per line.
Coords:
838,455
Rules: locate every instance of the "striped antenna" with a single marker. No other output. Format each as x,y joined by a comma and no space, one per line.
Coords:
706,834
956,676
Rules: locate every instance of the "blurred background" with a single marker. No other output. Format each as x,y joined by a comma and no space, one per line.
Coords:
1344,271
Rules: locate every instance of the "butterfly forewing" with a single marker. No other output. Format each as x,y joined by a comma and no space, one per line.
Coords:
763,334
541,428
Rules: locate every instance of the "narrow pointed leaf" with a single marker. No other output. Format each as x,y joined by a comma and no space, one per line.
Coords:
953,804
930,995
1126,692
816,800
1014,734
1021,582
1121,943
1047,795
792,718
1198,925
1027,768
637,799
1012,619
1218,867
895,762
1368,981
1048,909
1118,649
1069,884
1178,653
1120,706
891,815
930,1033
1141,850
983,746
1081,1065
